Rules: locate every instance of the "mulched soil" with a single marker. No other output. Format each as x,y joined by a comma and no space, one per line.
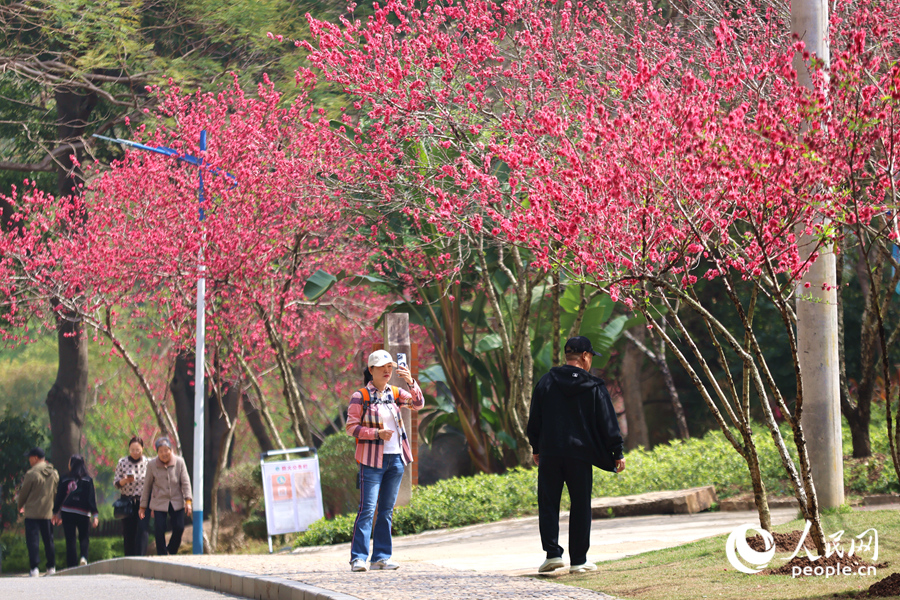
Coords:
889,586
784,542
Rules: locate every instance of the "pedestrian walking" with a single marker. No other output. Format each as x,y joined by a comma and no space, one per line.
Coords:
571,426
167,493
382,451
75,508
35,501
131,472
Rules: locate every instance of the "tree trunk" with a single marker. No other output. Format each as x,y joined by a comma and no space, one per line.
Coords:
258,426
67,399
555,315
632,390
220,433
182,388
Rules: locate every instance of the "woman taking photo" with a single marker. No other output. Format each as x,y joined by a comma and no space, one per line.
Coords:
75,506
167,492
129,480
382,451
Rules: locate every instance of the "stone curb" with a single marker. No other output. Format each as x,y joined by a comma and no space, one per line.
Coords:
226,581
676,502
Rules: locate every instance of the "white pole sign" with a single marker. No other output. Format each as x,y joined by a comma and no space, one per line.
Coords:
293,494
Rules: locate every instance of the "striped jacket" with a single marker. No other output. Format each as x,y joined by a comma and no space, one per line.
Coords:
363,422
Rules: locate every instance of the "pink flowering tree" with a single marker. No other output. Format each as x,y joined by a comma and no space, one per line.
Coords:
859,138
635,155
132,266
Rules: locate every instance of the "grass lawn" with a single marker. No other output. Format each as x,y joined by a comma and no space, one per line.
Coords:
701,569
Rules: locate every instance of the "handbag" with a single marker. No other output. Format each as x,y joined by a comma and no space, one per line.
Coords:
123,508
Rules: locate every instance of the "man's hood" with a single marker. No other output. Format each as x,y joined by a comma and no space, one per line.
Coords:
44,469
574,380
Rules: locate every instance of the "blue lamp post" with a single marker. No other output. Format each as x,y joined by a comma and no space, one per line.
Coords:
200,350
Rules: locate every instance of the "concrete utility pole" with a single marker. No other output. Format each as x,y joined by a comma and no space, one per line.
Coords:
396,339
817,320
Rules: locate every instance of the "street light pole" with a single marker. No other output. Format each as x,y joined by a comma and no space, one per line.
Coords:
199,371
200,349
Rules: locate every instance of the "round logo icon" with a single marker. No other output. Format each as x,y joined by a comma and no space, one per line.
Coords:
736,546
281,479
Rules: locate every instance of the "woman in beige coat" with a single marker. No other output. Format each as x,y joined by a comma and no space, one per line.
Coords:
167,493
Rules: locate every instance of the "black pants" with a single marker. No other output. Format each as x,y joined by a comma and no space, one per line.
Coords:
135,531
82,523
177,519
35,530
577,475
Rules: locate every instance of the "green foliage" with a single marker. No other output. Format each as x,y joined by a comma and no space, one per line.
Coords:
875,474
324,531
695,462
18,433
15,557
448,503
26,376
681,464
338,472
245,482
255,526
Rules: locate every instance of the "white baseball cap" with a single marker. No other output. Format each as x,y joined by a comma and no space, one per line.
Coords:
379,358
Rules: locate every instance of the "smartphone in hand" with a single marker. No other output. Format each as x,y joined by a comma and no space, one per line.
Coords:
401,360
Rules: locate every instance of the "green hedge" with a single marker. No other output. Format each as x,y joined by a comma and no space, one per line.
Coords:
448,503
15,555
710,460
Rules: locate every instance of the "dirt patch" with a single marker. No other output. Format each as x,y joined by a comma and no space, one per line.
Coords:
795,567
889,586
784,542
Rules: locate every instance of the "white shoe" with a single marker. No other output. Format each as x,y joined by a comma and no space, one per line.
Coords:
51,571
551,564
82,562
385,565
34,573
358,566
583,568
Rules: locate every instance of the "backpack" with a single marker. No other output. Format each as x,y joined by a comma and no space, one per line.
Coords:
367,400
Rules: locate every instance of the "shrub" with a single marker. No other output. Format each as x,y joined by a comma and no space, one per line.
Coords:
15,557
255,525
245,482
695,462
18,433
447,503
338,472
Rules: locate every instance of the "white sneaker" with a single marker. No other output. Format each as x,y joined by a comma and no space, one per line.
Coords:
551,564
34,573
385,565
51,571
358,565
582,568
82,562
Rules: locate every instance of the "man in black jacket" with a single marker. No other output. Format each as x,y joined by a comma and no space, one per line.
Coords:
572,425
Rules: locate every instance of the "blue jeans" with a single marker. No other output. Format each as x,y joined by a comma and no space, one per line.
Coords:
377,487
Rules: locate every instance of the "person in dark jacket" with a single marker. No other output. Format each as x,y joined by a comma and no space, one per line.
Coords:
75,506
572,425
35,501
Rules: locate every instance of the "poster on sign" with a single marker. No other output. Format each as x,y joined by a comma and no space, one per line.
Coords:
293,494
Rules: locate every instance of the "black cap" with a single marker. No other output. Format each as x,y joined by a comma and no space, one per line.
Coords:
579,344
35,452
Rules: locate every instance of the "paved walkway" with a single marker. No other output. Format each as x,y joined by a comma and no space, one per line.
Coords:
481,562
102,586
